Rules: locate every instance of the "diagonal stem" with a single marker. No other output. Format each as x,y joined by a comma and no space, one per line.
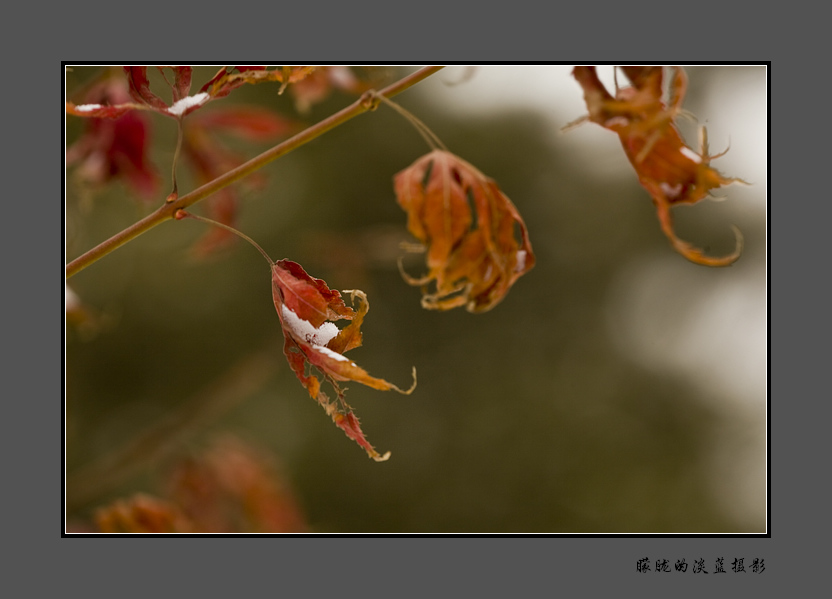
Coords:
168,210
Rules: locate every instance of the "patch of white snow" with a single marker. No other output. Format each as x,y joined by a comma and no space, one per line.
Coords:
691,154
303,329
178,108
87,107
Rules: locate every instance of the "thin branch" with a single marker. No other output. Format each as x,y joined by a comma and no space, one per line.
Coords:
168,210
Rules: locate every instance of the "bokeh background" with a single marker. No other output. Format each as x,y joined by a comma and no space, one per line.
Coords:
617,388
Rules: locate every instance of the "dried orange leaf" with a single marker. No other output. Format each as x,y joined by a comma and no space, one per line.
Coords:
469,227
670,171
142,514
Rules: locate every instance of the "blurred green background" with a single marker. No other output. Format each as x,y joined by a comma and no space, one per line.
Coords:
617,388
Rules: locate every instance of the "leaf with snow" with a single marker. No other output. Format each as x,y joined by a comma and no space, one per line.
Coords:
308,309
144,99
101,110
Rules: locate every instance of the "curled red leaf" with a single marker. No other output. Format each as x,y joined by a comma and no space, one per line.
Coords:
308,309
670,171
470,228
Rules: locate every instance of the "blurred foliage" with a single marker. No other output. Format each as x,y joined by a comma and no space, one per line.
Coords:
526,418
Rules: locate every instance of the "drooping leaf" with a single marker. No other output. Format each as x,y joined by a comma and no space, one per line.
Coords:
468,227
670,171
308,310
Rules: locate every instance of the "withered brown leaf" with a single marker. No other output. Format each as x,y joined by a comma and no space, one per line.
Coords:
470,229
670,171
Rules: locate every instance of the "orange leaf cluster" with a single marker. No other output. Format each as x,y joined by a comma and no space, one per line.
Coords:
230,487
307,309
670,171
225,81
470,229
309,84
142,514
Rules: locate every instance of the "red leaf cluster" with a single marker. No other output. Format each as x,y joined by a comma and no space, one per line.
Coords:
115,146
139,90
670,171
470,228
145,99
308,309
115,143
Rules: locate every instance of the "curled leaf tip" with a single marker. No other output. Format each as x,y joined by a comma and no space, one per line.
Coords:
410,389
692,253
697,256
